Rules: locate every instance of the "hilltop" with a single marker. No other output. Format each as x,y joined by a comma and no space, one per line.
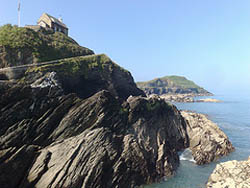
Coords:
21,45
171,85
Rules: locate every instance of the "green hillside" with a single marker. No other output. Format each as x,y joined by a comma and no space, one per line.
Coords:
20,45
171,84
181,81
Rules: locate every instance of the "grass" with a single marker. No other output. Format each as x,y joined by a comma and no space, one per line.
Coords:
78,66
181,81
169,81
41,46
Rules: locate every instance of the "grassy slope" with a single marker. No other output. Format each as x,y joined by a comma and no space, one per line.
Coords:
42,45
80,65
181,81
170,82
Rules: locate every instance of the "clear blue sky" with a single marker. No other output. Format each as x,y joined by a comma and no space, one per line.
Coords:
208,41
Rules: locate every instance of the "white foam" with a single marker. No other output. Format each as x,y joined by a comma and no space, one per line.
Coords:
186,155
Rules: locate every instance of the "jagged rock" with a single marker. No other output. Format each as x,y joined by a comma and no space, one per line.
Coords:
230,174
92,142
207,141
71,122
15,163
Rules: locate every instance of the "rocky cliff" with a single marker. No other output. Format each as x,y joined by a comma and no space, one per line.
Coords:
171,85
231,174
73,123
52,139
80,120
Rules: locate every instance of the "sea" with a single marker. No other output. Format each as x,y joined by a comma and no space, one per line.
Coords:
232,115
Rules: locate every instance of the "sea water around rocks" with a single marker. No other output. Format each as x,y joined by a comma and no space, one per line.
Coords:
233,117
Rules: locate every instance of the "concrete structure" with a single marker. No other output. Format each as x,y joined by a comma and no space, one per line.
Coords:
53,23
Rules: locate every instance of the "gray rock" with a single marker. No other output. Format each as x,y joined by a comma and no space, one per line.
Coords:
207,141
15,163
230,174
93,142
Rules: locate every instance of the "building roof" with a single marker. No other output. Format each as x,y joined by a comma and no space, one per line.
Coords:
53,19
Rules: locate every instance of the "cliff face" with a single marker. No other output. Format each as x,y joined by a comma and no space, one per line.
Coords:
83,75
52,139
80,121
73,123
171,85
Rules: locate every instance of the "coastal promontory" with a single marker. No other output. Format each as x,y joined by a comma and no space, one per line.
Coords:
171,85
72,118
80,121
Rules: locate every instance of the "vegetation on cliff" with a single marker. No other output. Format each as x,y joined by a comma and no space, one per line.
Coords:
86,75
20,45
171,84
81,65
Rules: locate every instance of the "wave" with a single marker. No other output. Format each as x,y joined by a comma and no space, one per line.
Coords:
186,155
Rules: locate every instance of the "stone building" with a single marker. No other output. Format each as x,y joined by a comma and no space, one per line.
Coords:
53,23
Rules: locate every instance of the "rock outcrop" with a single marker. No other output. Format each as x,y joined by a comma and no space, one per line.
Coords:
187,98
71,123
49,139
81,121
179,97
207,141
230,174
83,75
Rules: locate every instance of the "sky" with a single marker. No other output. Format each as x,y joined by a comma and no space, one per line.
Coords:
206,41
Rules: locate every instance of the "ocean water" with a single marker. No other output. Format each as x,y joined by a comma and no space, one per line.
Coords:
233,117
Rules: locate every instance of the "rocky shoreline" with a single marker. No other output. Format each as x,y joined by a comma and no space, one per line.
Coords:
188,98
137,140
116,144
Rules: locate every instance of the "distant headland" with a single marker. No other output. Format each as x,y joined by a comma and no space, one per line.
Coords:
172,85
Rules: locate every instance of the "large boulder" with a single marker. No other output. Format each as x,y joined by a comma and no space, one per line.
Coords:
230,174
207,141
